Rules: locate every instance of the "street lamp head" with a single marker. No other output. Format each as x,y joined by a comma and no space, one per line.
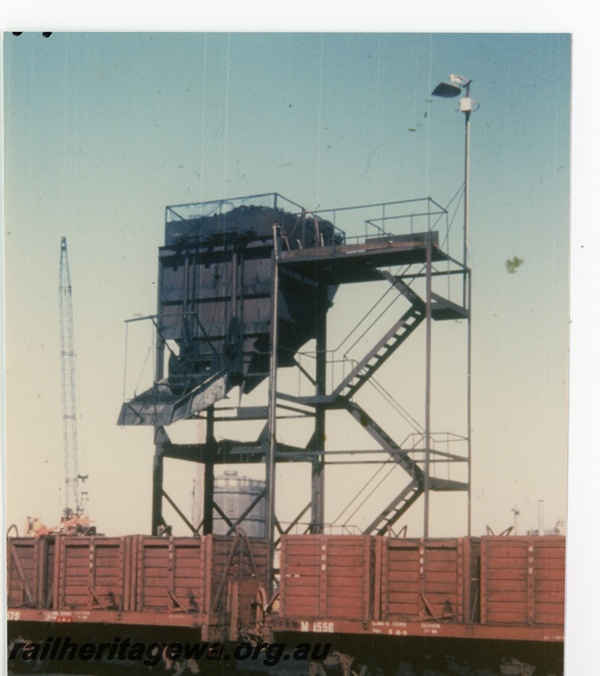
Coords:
446,90
449,90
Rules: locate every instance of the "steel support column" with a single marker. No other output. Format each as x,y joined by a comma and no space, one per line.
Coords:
428,328
209,473
159,433
469,345
157,483
318,465
272,409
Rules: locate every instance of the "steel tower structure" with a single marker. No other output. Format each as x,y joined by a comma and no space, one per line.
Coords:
244,285
75,498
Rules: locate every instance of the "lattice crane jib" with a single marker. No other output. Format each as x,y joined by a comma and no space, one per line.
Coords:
75,498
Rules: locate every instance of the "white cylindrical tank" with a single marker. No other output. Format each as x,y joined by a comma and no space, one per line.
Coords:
234,494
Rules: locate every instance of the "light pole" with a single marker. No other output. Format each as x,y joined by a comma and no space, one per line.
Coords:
459,84
448,90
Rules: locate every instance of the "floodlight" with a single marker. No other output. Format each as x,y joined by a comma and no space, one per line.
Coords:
446,90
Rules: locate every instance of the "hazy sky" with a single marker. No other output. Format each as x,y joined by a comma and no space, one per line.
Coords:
102,131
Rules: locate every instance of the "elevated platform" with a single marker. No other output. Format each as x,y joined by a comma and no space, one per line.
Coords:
358,262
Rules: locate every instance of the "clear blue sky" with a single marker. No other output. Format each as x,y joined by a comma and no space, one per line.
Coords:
102,131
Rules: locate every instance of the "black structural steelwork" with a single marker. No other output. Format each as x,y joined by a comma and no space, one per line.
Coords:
245,285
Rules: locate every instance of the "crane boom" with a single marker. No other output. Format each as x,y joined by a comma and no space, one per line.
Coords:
75,498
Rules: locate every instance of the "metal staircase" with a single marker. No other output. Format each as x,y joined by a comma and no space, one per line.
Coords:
386,442
390,342
342,397
410,493
397,507
381,352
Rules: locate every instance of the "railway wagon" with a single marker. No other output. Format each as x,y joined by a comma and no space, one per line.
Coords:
487,605
489,587
506,585
209,583
380,601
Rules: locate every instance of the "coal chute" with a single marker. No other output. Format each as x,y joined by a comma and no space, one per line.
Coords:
215,303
